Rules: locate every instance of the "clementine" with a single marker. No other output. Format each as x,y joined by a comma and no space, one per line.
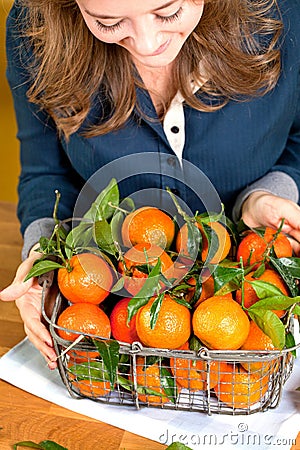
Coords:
253,247
84,318
220,323
120,329
149,377
224,242
88,279
241,389
172,328
144,256
193,374
250,297
148,224
257,340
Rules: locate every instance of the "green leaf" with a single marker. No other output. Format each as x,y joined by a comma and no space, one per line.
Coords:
79,237
105,204
109,351
182,302
51,445
195,344
41,267
290,342
286,271
211,216
134,305
118,285
194,239
118,219
155,308
270,324
44,445
47,246
265,289
212,239
178,446
125,383
148,391
276,302
292,264
296,310
103,237
146,292
226,275
94,370
168,383
28,444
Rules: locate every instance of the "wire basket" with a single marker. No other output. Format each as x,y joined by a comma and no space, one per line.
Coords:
209,381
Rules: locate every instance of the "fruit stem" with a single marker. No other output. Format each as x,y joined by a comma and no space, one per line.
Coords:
118,208
179,209
243,284
57,199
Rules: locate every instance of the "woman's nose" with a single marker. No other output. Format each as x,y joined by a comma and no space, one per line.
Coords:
146,39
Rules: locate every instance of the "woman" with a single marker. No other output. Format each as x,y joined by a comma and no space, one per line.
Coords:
215,83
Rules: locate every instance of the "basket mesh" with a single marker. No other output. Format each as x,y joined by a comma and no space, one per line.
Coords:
223,382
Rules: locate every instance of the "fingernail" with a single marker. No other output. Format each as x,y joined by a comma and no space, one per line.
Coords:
52,365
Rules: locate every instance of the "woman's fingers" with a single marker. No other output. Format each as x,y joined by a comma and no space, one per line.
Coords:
30,312
41,339
15,290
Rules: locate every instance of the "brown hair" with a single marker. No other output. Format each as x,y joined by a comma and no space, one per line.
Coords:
236,40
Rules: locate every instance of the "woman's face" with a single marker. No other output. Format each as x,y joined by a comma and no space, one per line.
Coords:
152,31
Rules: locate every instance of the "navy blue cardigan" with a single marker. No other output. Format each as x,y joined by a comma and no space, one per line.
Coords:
234,146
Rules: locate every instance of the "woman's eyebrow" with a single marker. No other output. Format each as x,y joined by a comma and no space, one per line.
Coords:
104,16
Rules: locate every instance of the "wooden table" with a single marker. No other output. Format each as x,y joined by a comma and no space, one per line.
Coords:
24,416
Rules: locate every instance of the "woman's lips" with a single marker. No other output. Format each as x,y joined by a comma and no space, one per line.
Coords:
162,48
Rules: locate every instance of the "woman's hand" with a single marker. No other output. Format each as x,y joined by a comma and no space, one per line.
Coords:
27,296
262,209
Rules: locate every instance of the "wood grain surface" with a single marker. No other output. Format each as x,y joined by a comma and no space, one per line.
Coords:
24,416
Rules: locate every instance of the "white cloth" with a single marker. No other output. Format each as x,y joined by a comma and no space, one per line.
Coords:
25,368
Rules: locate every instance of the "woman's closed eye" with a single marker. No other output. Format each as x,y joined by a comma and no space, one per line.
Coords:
108,28
117,26
172,17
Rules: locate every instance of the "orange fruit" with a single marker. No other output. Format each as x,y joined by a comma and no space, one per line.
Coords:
85,318
89,279
92,389
257,340
224,242
188,372
89,387
148,224
220,323
141,255
80,356
252,247
241,389
208,290
250,297
192,374
120,330
172,328
148,376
